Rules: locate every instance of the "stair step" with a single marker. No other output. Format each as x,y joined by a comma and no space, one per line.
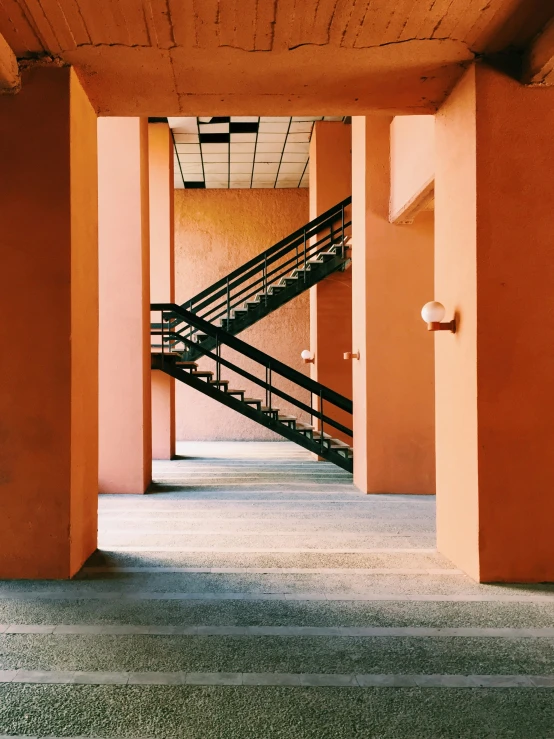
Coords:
304,427
265,409
287,419
218,382
235,392
187,365
274,289
199,338
252,401
286,281
202,374
326,437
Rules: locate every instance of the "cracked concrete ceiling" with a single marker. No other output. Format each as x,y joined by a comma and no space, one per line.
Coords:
269,57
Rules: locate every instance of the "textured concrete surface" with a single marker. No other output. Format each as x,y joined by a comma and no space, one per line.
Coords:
283,650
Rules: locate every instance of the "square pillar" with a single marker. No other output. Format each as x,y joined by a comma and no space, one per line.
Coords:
392,277
125,464
494,269
49,331
331,299
162,275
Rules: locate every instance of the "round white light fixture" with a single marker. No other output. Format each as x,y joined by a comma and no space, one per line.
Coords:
433,313
307,356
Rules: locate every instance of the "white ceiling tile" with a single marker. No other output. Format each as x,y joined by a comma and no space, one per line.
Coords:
294,157
297,148
187,148
263,184
190,158
243,138
307,117
240,177
205,119
217,186
278,119
333,118
282,185
244,119
241,167
266,168
215,148
221,157
186,138
240,185
183,125
263,178
214,127
179,185
194,178
298,127
191,168
274,127
242,148
278,138
216,168
295,167
269,147
268,156
298,138
239,157
216,177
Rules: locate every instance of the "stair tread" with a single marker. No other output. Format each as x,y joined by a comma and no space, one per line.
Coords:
232,391
287,418
252,400
304,427
186,364
219,382
202,374
267,409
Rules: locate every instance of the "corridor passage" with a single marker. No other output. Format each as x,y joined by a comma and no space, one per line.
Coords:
255,594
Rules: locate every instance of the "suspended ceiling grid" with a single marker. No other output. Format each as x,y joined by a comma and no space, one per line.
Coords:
243,152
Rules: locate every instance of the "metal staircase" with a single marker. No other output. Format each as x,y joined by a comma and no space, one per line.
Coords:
265,283
169,354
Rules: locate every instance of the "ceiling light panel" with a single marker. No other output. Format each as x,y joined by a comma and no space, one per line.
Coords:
242,151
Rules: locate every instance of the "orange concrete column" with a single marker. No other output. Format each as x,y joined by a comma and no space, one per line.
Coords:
331,299
123,227
494,268
162,276
392,277
49,331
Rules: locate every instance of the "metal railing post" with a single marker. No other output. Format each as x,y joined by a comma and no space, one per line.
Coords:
321,413
265,277
305,256
228,303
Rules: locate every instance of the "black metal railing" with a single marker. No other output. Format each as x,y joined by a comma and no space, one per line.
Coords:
170,337
258,275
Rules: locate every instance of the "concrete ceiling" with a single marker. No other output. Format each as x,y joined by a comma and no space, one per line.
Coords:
269,57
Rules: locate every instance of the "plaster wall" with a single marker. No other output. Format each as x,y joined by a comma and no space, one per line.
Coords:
494,268
331,299
412,153
216,231
392,277
48,280
125,452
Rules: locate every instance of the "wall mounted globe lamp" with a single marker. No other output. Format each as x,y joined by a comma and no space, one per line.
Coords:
433,313
307,357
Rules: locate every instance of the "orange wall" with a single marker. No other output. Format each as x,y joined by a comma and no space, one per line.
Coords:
124,356
48,387
392,276
331,300
495,268
215,232
162,276
412,159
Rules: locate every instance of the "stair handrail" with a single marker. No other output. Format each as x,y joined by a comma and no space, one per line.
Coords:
223,337
327,218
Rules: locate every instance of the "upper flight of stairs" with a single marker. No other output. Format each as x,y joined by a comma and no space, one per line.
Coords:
273,278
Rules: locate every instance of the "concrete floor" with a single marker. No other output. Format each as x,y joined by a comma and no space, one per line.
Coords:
255,594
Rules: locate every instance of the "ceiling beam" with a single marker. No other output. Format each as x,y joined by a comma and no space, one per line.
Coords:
9,70
539,60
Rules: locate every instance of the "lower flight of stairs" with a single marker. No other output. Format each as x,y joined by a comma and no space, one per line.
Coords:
323,444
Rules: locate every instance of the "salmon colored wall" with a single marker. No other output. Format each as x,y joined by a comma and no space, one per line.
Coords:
162,276
331,300
412,159
215,232
495,456
84,325
124,355
392,276
48,478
